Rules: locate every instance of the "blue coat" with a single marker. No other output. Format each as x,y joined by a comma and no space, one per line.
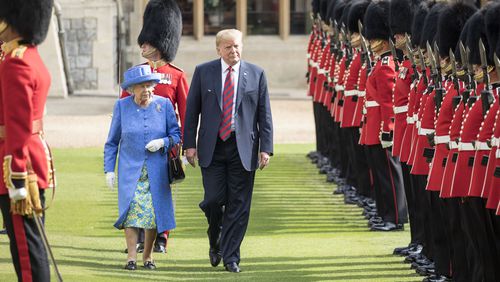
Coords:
132,127
253,119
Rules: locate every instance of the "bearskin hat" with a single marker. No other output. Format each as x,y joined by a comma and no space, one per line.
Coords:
357,13
376,21
451,22
29,18
323,9
431,23
477,30
315,7
418,22
330,8
493,28
338,10
401,15
162,27
345,13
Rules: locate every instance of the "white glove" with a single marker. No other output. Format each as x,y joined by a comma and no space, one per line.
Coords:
386,144
18,194
155,145
110,179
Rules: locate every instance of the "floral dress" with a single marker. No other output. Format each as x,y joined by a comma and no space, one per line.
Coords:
141,212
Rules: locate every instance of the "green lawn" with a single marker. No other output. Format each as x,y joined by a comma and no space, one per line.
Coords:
298,230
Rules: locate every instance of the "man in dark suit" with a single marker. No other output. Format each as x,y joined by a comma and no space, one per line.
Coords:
236,124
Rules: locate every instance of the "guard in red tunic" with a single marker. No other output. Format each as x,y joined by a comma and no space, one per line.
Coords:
390,197
159,40
24,85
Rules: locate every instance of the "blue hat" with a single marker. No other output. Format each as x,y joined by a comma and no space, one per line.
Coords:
139,74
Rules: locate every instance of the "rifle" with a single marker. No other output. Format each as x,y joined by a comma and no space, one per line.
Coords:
486,95
394,55
414,76
439,91
465,66
497,66
453,63
347,46
365,51
423,65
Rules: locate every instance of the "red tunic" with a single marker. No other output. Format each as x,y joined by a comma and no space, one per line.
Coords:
441,139
339,88
313,61
417,116
24,85
378,102
351,97
173,86
482,148
400,101
465,159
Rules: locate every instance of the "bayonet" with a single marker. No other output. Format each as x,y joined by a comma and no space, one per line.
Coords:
486,94
497,64
414,76
454,73
439,91
394,55
423,66
484,64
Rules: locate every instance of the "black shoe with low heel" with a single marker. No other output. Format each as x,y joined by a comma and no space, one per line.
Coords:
131,265
149,265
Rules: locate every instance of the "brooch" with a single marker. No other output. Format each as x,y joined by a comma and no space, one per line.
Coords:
158,108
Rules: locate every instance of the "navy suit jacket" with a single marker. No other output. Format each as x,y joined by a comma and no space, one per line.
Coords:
252,118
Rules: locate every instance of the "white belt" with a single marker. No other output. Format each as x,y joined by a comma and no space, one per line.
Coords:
463,146
349,93
425,131
417,123
442,139
481,146
339,88
401,109
415,116
371,104
453,145
410,120
308,55
497,154
361,93
314,64
495,141
321,71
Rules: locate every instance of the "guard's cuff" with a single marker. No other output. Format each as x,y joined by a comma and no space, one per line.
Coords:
13,180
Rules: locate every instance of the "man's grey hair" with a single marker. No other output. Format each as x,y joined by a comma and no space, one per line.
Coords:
227,34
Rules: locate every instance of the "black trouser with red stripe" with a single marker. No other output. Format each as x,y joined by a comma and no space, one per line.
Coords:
390,197
26,247
360,172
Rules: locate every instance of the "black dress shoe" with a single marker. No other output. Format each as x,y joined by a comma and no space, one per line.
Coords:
3,231
215,257
233,267
131,265
159,248
388,226
149,265
437,278
403,251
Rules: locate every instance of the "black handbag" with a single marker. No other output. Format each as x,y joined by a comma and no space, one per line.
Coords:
175,166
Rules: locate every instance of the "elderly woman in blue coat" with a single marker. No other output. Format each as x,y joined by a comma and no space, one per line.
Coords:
142,129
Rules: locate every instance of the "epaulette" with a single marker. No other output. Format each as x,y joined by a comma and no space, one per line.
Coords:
176,67
385,60
19,52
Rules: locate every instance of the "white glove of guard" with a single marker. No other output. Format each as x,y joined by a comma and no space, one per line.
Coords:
18,194
155,145
386,144
110,180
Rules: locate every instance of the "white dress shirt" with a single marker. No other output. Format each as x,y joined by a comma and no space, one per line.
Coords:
235,75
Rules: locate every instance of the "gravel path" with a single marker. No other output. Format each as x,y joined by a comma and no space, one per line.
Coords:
84,121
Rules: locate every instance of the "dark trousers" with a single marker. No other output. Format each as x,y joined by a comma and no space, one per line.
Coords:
226,203
26,247
416,231
390,197
317,108
479,231
440,241
460,247
359,170
423,214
